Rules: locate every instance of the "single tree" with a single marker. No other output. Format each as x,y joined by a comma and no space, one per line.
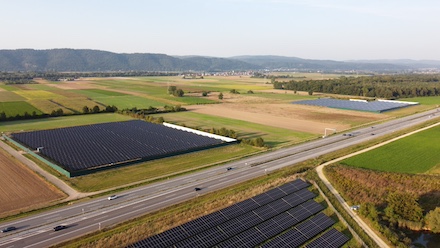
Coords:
220,96
432,220
96,109
86,110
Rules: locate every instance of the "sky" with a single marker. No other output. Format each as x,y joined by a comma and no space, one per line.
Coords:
309,29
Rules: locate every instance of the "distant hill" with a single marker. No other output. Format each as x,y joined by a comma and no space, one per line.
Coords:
84,60
94,60
280,62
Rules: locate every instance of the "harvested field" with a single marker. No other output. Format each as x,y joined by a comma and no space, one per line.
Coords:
22,188
275,113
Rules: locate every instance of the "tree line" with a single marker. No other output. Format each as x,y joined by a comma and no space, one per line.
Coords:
381,86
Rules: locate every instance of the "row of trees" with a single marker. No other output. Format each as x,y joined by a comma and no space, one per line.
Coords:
388,86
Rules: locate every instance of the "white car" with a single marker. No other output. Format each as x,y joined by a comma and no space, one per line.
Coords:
112,197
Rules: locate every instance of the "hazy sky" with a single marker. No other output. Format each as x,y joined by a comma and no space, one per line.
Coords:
311,29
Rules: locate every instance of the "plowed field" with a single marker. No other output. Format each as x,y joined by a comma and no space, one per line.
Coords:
21,189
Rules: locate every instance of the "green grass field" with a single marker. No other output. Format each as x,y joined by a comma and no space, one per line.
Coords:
59,122
431,100
14,108
92,93
123,102
273,136
418,153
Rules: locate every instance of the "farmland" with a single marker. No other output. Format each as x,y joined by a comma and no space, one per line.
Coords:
416,154
58,122
21,188
264,112
17,108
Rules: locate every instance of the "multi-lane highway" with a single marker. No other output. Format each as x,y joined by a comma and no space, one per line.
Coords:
85,217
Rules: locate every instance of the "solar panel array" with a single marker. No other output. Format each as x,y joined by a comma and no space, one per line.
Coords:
85,147
248,223
330,239
376,106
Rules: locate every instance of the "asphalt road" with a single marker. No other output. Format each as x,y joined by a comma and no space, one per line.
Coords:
82,218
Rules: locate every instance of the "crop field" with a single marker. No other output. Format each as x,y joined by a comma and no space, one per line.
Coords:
9,87
415,154
127,101
14,108
92,93
76,103
47,106
36,94
273,136
9,96
21,188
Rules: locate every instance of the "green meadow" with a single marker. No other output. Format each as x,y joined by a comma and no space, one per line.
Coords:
273,136
17,108
415,154
59,122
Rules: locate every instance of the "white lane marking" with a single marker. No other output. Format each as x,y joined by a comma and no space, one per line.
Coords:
101,218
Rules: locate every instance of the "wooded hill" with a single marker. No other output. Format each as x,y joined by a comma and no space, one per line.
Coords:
86,60
71,60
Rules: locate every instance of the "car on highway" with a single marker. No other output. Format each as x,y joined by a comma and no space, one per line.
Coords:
197,189
112,197
60,227
229,168
8,229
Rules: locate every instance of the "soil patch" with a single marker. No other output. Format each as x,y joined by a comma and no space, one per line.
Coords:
21,189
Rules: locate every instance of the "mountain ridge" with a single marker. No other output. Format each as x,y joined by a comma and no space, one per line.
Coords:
88,60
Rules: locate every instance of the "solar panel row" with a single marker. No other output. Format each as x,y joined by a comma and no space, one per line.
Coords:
201,224
331,239
239,224
302,232
85,147
376,106
272,227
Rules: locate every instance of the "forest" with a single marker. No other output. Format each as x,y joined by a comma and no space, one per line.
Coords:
380,86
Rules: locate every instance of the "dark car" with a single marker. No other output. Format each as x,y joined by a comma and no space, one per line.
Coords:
60,227
229,168
9,228
197,189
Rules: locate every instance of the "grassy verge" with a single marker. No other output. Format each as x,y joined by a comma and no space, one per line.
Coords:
160,168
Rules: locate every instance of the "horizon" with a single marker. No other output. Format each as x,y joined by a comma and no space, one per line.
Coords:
243,55
315,29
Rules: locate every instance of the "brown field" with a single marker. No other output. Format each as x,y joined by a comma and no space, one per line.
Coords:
22,188
280,114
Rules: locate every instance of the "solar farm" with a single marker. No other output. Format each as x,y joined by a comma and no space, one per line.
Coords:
84,149
359,105
286,216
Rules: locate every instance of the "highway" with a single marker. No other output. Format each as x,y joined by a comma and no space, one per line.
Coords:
84,217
